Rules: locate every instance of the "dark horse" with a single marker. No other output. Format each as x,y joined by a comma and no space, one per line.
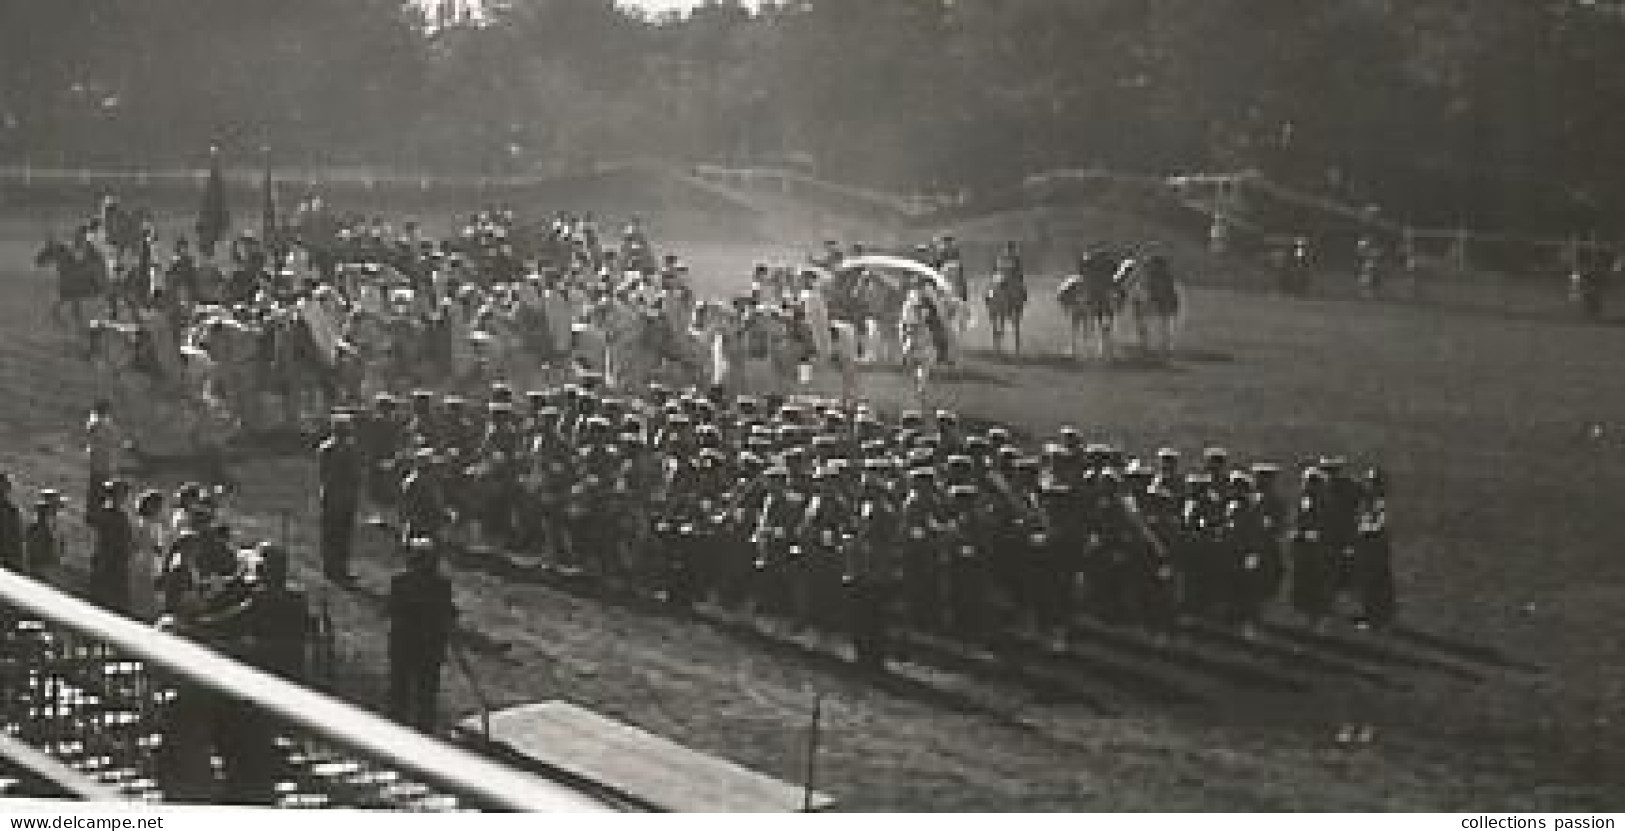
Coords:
295,369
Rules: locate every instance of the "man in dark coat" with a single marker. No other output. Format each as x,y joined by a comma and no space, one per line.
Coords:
342,471
421,618
114,535
11,528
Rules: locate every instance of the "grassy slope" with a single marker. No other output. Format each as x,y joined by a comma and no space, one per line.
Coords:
1504,510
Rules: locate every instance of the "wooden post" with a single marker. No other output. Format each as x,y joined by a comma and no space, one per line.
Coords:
808,793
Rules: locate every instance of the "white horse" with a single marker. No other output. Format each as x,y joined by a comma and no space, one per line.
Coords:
920,351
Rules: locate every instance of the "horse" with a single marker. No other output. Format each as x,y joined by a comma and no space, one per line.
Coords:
1091,301
920,341
1151,297
130,371
876,310
716,334
125,229
296,369
75,281
235,350
770,355
1006,301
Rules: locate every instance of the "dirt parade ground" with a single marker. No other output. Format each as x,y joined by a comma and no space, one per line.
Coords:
1498,690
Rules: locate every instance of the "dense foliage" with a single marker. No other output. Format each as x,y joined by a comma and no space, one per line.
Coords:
1498,112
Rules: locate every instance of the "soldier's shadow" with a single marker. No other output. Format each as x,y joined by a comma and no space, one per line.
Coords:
1058,362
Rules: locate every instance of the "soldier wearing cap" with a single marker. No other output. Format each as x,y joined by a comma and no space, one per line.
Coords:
341,469
500,464
873,569
1216,464
821,536
773,537
922,520
1200,555
675,513
595,501
425,512
1169,481
1314,559
1130,565
1257,541
969,543
1373,576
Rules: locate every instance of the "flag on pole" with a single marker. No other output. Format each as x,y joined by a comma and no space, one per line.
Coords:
214,218
268,221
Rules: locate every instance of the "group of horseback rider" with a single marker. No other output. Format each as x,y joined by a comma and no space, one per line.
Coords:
822,514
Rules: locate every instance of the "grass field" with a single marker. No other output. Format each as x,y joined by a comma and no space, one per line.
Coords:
1503,436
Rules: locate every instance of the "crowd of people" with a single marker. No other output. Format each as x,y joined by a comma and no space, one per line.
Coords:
829,515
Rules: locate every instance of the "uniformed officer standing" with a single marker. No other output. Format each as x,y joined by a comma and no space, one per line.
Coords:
1373,559
1314,565
872,568
342,470
421,619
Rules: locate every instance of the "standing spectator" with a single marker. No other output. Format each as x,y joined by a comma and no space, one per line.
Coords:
152,537
11,529
421,617
342,471
42,540
104,441
268,624
113,532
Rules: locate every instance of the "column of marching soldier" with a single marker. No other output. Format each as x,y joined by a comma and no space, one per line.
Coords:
825,516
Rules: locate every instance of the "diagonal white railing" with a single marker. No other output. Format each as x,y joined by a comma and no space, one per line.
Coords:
476,781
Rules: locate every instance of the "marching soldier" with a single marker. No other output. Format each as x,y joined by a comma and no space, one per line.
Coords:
424,511
1058,540
823,538
967,543
1373,560
1250,535
547,484
923,519
1314,559
1202,557
781,510
872,569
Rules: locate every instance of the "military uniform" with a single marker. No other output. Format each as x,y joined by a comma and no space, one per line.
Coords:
872,570
1373,575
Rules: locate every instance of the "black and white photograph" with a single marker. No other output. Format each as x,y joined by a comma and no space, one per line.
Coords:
835,406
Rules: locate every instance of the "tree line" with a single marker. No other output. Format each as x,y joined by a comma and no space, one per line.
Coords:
1503,113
